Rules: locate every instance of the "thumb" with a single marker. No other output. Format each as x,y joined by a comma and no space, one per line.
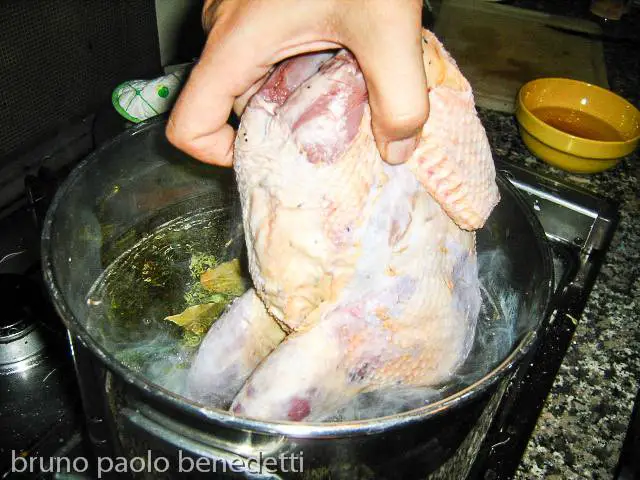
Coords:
394,72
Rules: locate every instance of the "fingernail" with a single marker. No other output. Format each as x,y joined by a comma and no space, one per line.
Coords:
399,151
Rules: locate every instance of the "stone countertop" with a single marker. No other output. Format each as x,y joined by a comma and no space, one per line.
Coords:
582,427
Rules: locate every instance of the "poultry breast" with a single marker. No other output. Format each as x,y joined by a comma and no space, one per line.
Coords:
365,274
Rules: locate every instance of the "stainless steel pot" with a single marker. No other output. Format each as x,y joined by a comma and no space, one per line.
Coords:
137,183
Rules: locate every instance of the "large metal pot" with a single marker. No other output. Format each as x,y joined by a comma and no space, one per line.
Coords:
138,182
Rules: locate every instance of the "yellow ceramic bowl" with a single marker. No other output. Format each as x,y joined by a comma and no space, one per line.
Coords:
576,126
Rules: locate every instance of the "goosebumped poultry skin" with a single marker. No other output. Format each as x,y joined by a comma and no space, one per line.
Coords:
365,274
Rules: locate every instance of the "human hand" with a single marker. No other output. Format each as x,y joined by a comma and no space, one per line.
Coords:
248,37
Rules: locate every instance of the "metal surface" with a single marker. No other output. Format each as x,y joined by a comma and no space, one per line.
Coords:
579,226
567,213
497,436
22,338
492,448
413,442
35,391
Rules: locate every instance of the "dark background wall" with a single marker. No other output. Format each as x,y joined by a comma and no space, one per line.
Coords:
60,60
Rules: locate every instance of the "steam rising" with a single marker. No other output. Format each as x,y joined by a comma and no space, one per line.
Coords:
153,347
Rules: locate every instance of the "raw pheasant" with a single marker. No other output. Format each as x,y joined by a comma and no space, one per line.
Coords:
365,274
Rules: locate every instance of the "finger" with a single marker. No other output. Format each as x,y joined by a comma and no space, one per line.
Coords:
241,102
210,14
230,70
226,70
389,52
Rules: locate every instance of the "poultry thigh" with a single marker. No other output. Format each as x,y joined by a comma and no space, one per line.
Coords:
365,274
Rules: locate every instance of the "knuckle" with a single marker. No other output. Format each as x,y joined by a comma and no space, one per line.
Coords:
177,136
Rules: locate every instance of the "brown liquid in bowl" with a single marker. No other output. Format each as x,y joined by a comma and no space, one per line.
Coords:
578,123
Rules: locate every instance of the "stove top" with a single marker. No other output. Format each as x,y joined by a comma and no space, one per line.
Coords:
579,226
39,404
47,411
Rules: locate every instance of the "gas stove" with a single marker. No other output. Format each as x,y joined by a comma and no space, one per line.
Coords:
579,226
41,397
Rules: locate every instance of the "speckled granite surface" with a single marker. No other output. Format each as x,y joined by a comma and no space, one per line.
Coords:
582,427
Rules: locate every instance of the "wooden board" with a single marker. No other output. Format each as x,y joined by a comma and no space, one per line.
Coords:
499,48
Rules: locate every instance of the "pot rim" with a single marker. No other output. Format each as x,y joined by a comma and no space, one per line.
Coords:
288,428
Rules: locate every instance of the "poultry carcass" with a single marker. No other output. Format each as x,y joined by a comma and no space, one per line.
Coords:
365,274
